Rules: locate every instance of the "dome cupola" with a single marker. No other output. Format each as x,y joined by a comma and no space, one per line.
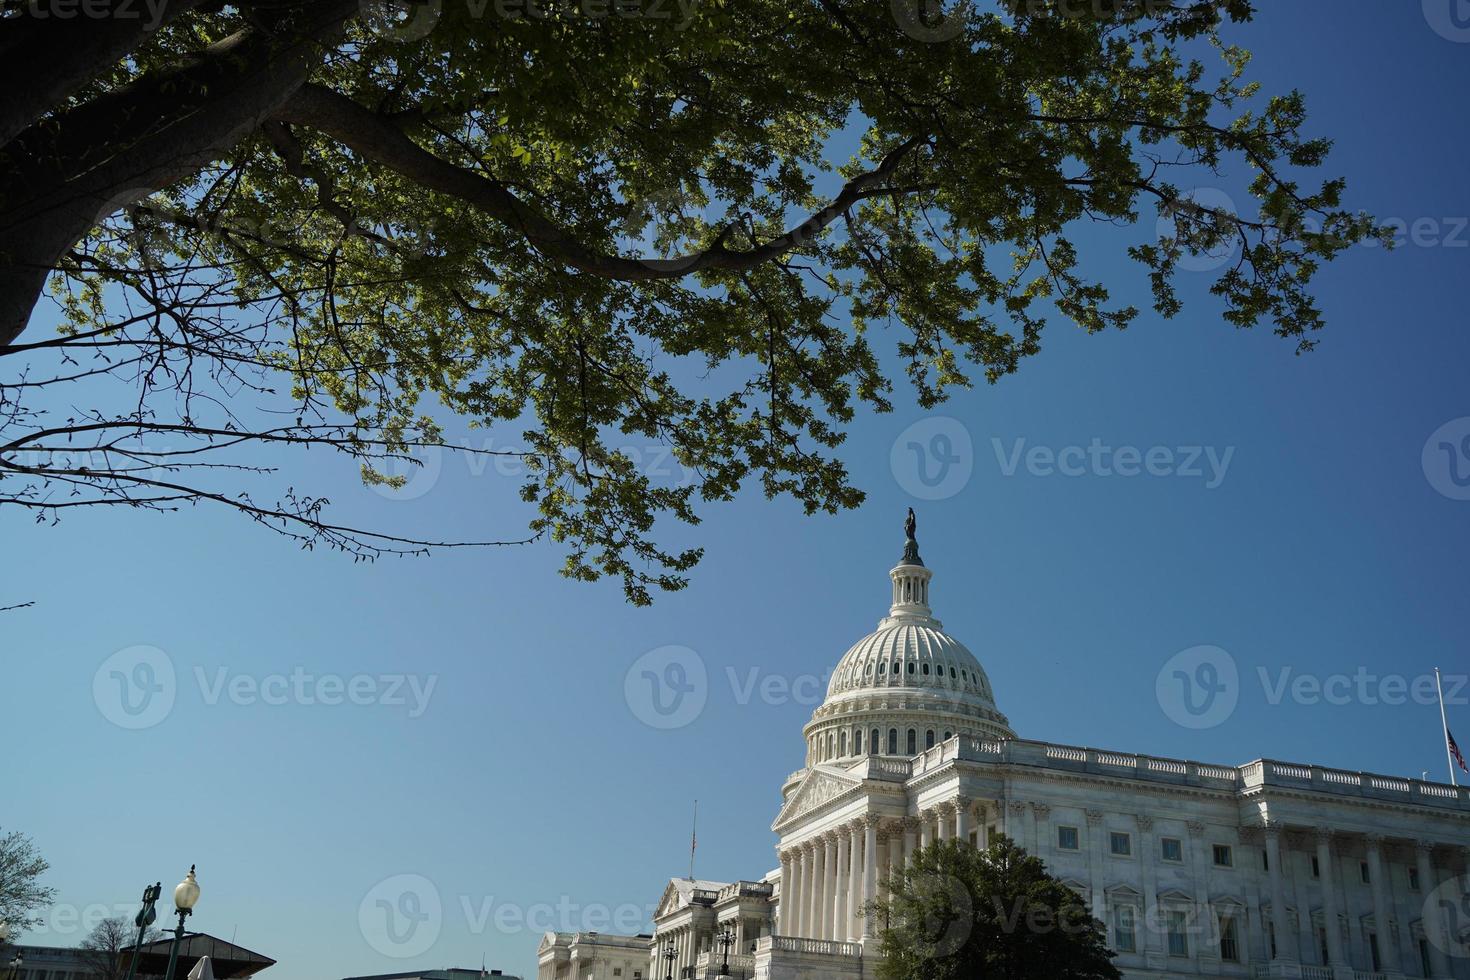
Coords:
906,686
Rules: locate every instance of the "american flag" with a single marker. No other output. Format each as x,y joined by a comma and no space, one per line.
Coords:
1455,750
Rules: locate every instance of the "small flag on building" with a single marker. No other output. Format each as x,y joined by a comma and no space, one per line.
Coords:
1455,750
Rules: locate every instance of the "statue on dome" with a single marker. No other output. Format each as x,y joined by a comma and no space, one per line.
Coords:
910,525
911,545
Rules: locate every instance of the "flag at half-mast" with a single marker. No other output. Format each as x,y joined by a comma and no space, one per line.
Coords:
1455,749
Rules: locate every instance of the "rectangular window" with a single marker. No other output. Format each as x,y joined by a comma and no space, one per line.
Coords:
1271,936
1373,951
1124,934
1171,849
1121,843
1322,946
1067,838
1413,879
1178,933
1316,868
1265,861
1229,940
1424,965
1224,856
1363,872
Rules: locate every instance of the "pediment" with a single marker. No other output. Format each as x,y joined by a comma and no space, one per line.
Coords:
821,786
1123,893
1176,896
669,902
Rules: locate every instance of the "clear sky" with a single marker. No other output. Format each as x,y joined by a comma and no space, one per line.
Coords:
521,784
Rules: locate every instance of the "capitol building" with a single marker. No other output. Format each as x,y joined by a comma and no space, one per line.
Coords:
1268,869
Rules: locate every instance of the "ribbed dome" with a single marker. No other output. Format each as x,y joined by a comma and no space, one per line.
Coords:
907,685
911,655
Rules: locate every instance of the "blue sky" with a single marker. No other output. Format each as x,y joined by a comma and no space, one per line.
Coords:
520,780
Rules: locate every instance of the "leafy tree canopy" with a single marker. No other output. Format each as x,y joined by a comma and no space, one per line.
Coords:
585,221
960,913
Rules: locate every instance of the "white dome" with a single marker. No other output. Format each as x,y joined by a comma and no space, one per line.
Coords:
906,686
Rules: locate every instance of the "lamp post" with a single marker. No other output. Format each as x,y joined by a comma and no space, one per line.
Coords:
670,954
146,916
186,893
726,941
15,965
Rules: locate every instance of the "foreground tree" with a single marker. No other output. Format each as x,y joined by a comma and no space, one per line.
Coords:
960,912
22,896
288,223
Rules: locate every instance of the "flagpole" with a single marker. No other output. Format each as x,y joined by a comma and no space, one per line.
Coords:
1445,724
693,840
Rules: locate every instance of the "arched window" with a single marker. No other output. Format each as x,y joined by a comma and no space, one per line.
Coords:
842,744
951,673
895,667
883,667
926,670
929,739
893,741
857,742
913,742
911,666
948,736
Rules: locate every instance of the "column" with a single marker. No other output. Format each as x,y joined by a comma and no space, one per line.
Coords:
1152,944
843,873
810,919
829,885
962,814
1041,821
1388,952
1206,949
797,924
1433,917
1335,954
944,818
910,840
870,871
1016,827
783,911
1286,946
1095,857
852,929
926,828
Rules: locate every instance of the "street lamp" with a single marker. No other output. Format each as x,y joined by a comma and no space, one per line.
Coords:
186,893
15,965
670,954
726,940
145,918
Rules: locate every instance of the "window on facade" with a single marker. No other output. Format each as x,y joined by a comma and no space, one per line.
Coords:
1373,951
948,736
913,739
842,744
1265,861
951,673
1171,849
1363,872
1124,934
857,742
883,668
893,741
873,742
1067,838
1120,843
1178,931
1316,868
1424,965
617,971
1229,940
1414,879
1271,935
1224,856
926,670
929,739
911,667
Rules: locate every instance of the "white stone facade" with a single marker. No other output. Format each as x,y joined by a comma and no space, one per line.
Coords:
1269,869
591,956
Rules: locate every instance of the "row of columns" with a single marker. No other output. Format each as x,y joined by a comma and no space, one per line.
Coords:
828,880
1389,949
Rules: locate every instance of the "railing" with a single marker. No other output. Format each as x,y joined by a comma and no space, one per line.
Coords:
1316,973
814,947
1369,975
1262,772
